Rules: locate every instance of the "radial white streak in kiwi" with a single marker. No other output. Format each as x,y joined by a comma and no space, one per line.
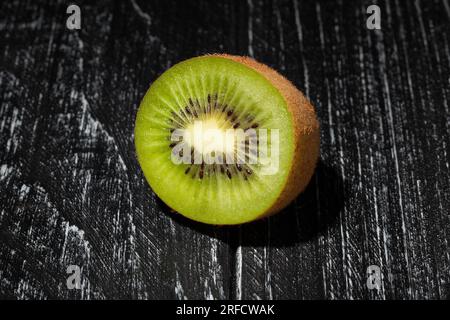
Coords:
184,88
210,194
218,182
245,189
220,116
220,93
260,116
158,133
197,90
168,84
176,96
234,93
230,94
205,85
185,99
160,122
227,87
156,123
152,144
236,102
168,105
245,110
175,121
188,84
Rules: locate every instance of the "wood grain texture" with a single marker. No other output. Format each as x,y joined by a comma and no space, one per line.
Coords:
72,192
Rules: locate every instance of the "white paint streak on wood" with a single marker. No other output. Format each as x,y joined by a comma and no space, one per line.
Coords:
298,25
238,267
447,8
141,13
280,33
250,28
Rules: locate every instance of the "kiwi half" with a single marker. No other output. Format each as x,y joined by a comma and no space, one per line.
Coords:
224,92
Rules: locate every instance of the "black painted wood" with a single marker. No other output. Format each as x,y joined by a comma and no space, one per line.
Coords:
72,192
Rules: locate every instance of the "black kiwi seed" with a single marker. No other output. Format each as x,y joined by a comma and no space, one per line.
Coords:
239,167
228,174
236,125
202,167
230,112
248,171
173,144
187,170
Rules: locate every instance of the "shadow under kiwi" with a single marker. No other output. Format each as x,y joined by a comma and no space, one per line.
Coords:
311,213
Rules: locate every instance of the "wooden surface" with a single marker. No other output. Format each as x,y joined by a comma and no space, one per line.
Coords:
72,192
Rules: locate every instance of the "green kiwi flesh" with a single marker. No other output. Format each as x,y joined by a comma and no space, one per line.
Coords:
213,89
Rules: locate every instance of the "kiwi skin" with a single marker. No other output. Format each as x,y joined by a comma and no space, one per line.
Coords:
306,132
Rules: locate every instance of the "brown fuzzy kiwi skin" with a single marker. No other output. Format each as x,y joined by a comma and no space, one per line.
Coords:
306,132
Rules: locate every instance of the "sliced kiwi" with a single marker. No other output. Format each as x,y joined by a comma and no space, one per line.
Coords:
229,94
